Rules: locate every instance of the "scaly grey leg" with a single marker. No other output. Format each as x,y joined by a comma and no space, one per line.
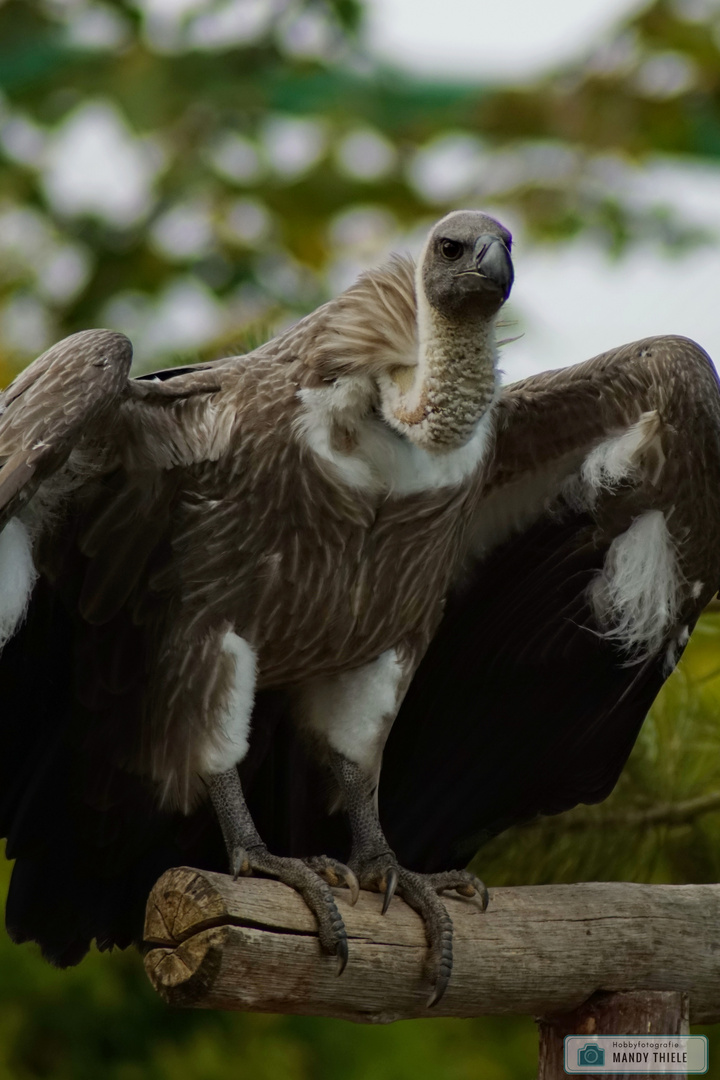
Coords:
377,868
248,855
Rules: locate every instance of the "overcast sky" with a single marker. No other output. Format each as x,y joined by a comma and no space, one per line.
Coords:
571,301
481,39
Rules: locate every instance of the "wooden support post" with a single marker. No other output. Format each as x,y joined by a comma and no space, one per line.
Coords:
639,1012
539,950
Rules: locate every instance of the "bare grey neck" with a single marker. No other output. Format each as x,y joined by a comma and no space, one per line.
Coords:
438,403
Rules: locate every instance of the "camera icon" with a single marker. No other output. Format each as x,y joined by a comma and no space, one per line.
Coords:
591,1054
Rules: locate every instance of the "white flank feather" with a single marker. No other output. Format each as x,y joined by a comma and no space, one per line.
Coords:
353,711
17,577
229,742
619,459
637,593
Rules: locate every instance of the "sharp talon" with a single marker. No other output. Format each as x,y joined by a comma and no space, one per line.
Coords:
382,873
438,989
441,985
483,897
342,955
391,883
353,885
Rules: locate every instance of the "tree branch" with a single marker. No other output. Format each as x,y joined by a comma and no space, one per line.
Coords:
670,813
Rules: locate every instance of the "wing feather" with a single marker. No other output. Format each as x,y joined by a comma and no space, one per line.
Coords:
532,693
61,397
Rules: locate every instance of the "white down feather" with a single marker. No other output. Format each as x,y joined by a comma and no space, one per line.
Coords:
17,577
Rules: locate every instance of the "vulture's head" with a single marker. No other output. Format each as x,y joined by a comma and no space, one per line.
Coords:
463,278
465,268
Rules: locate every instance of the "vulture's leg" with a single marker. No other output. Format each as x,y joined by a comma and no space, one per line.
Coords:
248,854
377,868
350,715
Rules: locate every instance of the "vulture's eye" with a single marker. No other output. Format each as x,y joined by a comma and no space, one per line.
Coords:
451,249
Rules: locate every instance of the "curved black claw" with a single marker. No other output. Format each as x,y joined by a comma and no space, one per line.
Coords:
336,874
391,883
378,873
342,953
314,890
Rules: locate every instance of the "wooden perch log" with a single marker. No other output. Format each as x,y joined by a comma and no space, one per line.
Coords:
539,950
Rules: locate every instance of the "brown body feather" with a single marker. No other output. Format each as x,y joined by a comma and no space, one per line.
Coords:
254,534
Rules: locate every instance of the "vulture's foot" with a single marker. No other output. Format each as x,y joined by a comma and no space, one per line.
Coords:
313,888
377,868
421,891
312,879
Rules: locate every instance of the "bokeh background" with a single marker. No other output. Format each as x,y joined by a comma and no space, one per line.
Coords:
199,173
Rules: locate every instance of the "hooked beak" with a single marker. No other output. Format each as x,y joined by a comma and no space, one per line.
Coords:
492,262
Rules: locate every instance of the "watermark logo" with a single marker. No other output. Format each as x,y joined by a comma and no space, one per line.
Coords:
590,1054
604,1055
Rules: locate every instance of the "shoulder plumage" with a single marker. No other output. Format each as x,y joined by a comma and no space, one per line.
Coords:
368,328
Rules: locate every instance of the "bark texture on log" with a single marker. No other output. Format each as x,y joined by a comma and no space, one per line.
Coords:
642,1012
539,950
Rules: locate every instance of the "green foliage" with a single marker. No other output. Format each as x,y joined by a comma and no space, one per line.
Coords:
226,220
203,123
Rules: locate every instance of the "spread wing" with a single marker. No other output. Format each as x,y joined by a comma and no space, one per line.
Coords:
101,455
594,550
117,476
64,395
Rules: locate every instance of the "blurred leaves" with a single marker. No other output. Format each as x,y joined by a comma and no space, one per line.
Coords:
186,176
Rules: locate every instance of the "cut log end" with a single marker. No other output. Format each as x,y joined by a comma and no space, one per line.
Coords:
186,974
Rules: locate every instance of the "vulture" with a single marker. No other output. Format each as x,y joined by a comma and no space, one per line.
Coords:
338,610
